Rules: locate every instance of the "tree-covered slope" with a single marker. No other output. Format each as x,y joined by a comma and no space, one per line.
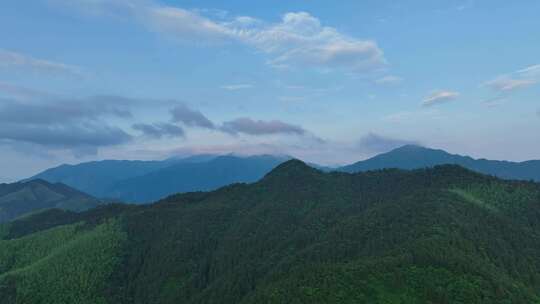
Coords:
23,198
415,157
441,235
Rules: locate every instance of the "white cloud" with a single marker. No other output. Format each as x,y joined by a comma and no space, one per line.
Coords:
505,84
236,87
183,24
9,59
298,39
301,39
438,97
520,79
531,71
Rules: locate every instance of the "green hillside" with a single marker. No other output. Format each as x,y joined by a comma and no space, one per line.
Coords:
441,235
24,198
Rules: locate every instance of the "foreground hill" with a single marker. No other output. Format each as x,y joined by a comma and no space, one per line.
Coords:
22,198
146,181
415,157
441,235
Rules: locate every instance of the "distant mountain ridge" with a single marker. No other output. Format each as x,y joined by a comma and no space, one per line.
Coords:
415,157
189,177
23,198
96,176
147,181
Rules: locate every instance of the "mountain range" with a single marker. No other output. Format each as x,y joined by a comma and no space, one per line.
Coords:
147,181
414,157
298,235
23,198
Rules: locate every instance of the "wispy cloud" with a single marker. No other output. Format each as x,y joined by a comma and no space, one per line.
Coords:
260,127
159,130
532,71
9,59
520,79
439,97
191,117
236,87
505,84
298,39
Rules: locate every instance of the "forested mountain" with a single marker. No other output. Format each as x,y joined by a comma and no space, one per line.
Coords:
146,181
22,198
187,177
415,157
439,235
96,177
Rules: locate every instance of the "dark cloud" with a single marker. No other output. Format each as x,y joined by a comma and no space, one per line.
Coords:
191,118
64,135
260,127
159,130
374,143
78,125
64,110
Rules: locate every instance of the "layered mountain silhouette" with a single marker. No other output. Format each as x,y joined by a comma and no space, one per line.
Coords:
415,157
96,177
298,235
147,181
189,177
23,198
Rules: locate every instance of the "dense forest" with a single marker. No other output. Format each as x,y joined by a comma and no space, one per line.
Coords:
440,235
24,198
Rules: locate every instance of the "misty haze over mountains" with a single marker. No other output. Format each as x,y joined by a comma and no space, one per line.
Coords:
147,181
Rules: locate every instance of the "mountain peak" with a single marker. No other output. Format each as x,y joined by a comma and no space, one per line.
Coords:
291,169
411,148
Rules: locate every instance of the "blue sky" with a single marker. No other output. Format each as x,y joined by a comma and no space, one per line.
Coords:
143,79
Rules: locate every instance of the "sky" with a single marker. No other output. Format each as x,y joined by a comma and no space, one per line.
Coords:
84,80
